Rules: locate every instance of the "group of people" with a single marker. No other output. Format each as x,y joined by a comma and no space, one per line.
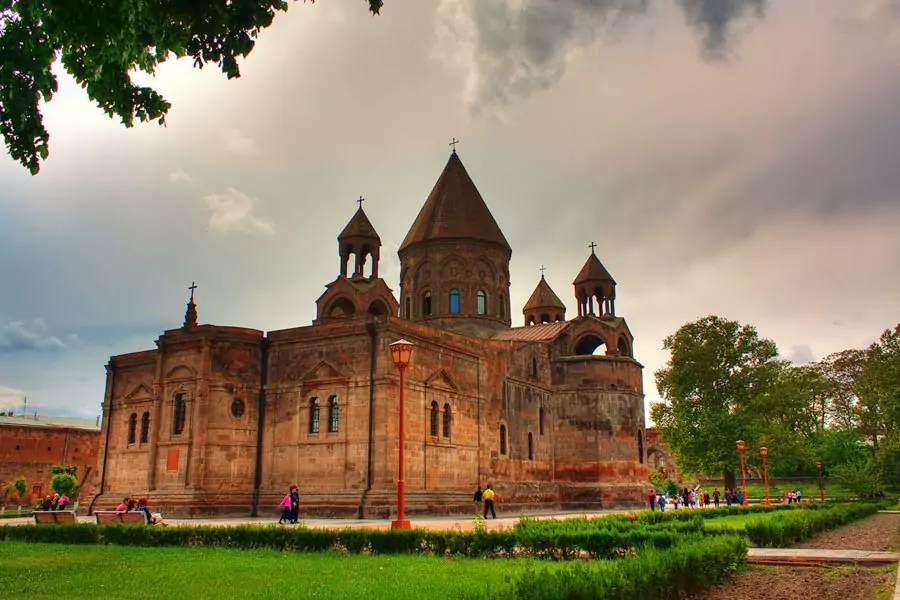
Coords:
486,498
290,506
55,502
140,505
695,498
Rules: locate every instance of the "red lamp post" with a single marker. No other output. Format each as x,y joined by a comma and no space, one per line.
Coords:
764,452
740,447
821,481
401,350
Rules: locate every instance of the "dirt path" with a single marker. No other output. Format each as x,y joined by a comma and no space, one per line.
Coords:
878,532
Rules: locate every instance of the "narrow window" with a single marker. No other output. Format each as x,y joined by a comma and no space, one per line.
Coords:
482,302
333,414
454,301
178,415
448,417
408,307
640,446
426,304
145,428
132,425
503,440
530,446
314,415
541,421
501,307
534,367
434,419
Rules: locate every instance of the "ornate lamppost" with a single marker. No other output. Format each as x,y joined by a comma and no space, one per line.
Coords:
764,452
821,481
401,350
740,447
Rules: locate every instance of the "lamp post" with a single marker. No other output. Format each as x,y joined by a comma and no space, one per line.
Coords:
740,447
764,452
821,481
401,350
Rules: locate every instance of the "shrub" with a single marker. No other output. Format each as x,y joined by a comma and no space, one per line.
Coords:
64,483
785,529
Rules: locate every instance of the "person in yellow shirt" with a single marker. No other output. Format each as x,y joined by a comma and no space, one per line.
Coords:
488,497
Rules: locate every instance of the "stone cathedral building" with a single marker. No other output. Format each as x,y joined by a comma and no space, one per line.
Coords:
221,419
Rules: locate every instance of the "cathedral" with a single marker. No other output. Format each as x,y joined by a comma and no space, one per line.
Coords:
220,420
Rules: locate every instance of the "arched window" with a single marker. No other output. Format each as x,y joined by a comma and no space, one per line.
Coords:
623,346
640,446
132,426
503,440
541,421
426,304
314,415
434,418
501,307
408,307
448,418
178,415
534,367
145,427
333,414
482,302
454,301
530,446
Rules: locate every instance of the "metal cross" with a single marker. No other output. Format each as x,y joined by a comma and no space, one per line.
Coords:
592,246
360,201
192,288
542,271
453,143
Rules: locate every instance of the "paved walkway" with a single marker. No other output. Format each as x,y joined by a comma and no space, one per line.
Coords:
818,556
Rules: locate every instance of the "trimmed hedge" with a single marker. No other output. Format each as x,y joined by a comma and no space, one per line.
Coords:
559,546
687,568
790,528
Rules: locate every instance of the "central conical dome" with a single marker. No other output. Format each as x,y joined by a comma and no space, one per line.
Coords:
455,210
454,262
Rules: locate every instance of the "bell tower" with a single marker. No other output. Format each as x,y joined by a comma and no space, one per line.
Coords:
544,306
360,241
595,283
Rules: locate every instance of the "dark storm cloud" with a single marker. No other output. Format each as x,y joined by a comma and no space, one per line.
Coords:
714,19
521,46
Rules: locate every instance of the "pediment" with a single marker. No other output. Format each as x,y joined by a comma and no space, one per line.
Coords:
324,371
181,372
141,391
441,379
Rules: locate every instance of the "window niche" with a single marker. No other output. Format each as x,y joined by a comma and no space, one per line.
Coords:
448,420
454,301
132,427
434,418
334,414
145,428
313,415
179,413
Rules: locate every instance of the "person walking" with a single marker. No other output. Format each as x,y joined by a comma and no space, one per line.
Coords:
476,497
716,497
488,497
285,507
651,498
294,493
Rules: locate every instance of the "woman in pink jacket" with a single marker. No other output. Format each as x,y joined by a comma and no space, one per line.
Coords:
285,507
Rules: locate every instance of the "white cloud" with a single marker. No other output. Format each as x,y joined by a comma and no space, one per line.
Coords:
10,398
233,211
19,336
238,143
180,176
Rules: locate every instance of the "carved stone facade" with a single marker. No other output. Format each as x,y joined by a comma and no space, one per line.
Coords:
550,413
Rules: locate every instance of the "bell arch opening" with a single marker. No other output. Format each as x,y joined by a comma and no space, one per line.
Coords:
591,345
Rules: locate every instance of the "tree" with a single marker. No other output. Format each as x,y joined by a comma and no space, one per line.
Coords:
101,42
718,378
64,483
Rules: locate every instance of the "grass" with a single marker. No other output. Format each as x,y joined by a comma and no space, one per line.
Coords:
736,523
51,571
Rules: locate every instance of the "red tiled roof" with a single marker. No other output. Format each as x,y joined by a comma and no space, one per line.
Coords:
455,210
532,333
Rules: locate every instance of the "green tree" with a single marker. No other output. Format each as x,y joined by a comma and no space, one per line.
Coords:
719,377
101,43
64,483
861,477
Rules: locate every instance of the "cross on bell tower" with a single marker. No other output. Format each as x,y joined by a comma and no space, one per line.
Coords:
190,315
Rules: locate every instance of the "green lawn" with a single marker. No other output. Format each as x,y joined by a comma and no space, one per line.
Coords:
54,571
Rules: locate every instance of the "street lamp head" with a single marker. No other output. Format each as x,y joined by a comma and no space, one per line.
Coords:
401,350
818,464
764,452
740,445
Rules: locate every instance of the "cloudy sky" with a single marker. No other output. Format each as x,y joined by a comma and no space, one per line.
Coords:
730,157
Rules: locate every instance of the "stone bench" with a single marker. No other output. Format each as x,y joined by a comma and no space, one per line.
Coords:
44,517
111,517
